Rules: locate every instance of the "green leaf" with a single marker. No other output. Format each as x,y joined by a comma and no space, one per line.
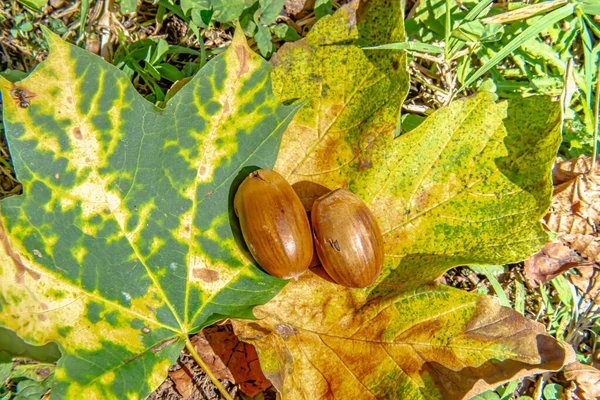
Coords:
169,72
5,366
286,32
553,391
129,6
34,5
476,31
263,40
16,347
270,10
411,121
124,241
31,390
411,46
83,12
530,32
590,7
323,8
229,10
489,395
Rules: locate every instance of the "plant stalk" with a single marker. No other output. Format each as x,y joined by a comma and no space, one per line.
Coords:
206,368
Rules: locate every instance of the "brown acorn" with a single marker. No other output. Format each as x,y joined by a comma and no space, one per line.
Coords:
274,224
347,239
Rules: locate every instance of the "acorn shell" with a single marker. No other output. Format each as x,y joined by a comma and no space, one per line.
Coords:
274,224
347,239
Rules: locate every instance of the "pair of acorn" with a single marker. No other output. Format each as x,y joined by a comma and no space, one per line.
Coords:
277,231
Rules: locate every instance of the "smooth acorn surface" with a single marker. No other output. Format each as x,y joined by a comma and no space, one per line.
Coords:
274,224
347,239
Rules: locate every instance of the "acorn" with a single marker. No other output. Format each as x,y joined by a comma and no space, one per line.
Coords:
347,239
274,224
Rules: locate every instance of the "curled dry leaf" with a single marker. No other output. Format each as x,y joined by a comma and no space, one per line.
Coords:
552,260
586,379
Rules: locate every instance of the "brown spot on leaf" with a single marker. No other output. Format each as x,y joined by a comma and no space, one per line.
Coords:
285,331
242,55
77,133
21,269
69,100
207,195
205,274
365,165
202,170
226,106
42,315
422,202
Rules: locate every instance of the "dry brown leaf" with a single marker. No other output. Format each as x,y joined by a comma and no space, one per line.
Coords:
588,281
212,360
586,379
231,359
576,202
588,246
183,381
552,260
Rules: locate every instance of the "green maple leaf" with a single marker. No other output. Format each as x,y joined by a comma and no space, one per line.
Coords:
123,243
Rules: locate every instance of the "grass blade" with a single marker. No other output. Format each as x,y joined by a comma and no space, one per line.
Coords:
523,13
83,12
527,34
409,46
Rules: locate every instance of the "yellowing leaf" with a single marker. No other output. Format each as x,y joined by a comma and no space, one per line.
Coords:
468,186
318,340
123,241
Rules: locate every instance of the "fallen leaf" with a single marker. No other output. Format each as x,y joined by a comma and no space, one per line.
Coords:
207,353
587,280
229,358
468,186
320,340
552,260
576,201
586,379
588,246
183,381
124,240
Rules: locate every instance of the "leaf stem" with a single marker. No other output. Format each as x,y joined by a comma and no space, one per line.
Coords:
206,368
